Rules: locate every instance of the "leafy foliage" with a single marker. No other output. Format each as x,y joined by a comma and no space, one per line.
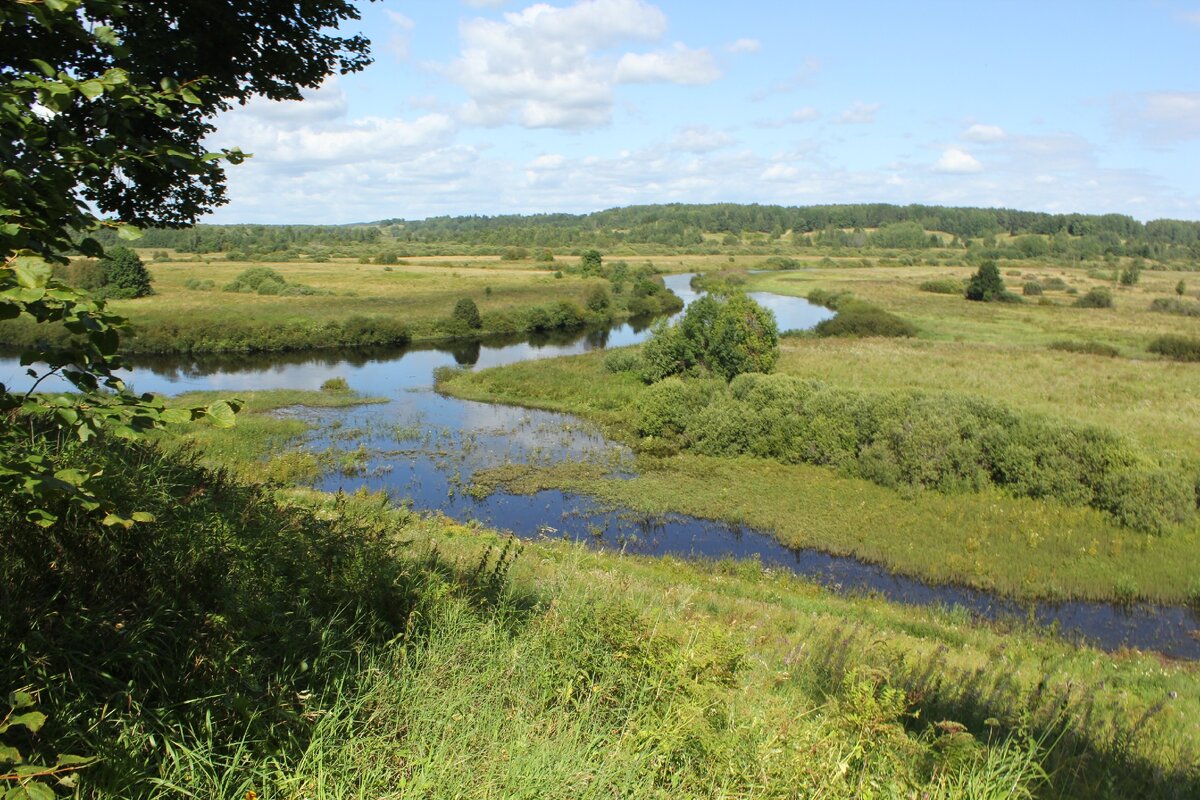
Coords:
466,313
124,274
724,336
986,285
1096,297
1179,348
934,441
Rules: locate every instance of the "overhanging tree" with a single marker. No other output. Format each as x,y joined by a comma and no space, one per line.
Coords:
104,106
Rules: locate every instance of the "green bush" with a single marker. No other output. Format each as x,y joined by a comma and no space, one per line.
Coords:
466,314
863,320
724,336
943,286
1179,348
1097,297
941,442
1032,289
986,285
622,360
336,385
1056,284
598,299
1175,305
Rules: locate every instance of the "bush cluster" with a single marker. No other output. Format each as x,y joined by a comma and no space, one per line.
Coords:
943,286
1032,289
935,441
722,336
1175,305
1179,348
1096,297
859,319
266,281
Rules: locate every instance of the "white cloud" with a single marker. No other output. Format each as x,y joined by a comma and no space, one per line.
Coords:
326,102
806,114
485,3
957,161
700,139
1160,118
680,65
983,133
1192,17
553,67
744,46
859,114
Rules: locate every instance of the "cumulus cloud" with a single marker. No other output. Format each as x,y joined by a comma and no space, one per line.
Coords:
744,46
859,114
700,139
957,161
401,38
983,133
806,114
326,102
680,65
553,67
1160,118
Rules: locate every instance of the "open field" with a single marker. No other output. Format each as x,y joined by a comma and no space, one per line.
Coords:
346,303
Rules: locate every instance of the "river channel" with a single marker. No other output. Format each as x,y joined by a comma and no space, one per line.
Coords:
422,449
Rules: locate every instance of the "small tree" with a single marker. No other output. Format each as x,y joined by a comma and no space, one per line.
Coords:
597,299
591,262
1131,274
124,274
1181,288
986,285
466,313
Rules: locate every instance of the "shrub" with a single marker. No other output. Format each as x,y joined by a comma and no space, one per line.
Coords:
935,441
1179,348
1181,288
1097,297
986,285
544,256
591,262
1056,284
943,286
335,385
622,360
514,254
864,320
1131,274
254,277
124,274
598,299
727,336
386,258
1032,289
466,313
1090,348
1174,305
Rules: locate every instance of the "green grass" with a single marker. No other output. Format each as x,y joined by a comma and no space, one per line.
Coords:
1019,547
358,304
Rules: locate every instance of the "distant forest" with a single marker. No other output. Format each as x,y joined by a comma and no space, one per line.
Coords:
714,228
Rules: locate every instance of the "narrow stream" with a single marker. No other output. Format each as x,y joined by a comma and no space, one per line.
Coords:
422,448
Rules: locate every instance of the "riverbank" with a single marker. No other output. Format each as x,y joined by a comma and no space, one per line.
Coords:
801,650
208,307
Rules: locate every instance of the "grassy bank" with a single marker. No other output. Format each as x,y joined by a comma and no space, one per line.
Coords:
295,644
315,305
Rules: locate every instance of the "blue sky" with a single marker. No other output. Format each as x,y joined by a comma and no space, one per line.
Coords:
492,107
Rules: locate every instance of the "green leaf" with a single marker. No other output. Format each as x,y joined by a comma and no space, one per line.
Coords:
91,89
128,233
32,272
31,721
178,415
19,700
74,761
222,414
43,67
189,96
9,755
142,516
30,791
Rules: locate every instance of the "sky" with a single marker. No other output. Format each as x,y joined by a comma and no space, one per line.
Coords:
499,107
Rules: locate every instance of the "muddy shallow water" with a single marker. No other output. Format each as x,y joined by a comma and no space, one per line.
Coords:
422,448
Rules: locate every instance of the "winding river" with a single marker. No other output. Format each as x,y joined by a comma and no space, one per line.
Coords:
422,448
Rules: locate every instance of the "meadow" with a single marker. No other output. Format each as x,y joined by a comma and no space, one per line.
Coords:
349,648
994,351
329,303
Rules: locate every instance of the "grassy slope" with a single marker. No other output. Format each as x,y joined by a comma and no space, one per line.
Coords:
540,679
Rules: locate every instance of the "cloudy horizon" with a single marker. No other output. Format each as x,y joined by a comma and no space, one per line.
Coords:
493,107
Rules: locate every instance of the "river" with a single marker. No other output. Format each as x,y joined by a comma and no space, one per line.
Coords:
422,448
